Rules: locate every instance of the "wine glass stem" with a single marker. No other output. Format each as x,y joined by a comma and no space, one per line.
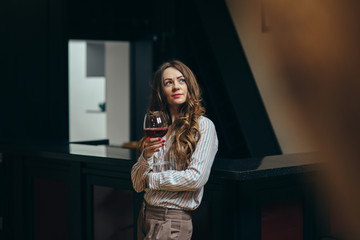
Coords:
164,149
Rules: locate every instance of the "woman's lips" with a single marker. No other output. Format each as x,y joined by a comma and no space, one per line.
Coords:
177,95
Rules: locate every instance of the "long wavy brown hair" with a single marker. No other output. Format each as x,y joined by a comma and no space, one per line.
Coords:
186,126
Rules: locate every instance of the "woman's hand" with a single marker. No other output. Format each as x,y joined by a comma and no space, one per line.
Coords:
151,146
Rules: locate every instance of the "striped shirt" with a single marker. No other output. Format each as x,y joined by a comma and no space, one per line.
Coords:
178,188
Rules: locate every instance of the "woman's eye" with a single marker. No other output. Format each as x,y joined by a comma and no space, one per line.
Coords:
168,83
182,80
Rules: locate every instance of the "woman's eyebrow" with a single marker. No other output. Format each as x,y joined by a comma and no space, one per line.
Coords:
171,78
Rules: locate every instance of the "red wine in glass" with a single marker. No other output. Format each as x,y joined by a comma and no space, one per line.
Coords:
155,132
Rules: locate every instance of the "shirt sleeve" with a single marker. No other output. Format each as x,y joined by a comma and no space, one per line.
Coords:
139,171
197,174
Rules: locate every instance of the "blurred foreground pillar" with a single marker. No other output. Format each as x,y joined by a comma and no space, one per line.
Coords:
318,51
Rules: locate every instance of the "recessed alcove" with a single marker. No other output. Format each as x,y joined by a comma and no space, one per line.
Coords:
99,91
108,89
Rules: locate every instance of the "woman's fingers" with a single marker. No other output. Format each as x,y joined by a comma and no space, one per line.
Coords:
152,145
153,141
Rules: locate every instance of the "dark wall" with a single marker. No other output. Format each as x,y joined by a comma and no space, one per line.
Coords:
34,74
109,20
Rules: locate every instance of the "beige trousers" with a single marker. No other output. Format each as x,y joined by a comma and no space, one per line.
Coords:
163,223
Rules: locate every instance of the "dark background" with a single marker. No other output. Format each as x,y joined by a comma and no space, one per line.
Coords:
34,65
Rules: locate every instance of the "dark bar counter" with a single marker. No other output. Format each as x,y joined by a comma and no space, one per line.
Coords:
76,191
229,169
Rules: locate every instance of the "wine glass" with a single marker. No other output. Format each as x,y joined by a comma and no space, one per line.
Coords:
155,125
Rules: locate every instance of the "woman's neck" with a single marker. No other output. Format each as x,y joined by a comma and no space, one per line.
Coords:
174,113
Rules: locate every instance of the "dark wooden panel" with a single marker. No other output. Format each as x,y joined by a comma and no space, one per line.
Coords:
113,213
111,208
50,209
282,220
14,197
202,223
2,196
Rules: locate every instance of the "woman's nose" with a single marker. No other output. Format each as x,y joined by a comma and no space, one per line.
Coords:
175,85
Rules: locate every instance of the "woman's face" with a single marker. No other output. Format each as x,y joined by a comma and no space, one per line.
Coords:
175,87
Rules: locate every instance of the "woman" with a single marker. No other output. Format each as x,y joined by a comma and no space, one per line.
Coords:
191,145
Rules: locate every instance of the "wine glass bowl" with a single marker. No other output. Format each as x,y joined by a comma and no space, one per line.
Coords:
155,124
